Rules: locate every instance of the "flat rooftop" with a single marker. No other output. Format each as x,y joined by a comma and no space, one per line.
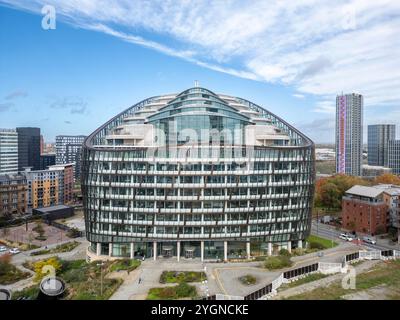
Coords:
52,208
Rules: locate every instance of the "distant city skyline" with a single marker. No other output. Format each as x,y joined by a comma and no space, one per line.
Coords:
97,62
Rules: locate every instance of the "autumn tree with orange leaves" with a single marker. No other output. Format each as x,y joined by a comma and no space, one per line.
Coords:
329,191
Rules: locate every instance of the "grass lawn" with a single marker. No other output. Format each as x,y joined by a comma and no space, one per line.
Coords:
83,280
182,290
125,264
65,247
387,273
320,243
310,278
182,276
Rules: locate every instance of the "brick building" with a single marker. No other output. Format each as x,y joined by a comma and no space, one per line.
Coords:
364,210
13,195
66,182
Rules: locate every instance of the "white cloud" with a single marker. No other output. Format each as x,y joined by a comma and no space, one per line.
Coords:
318,47
326,106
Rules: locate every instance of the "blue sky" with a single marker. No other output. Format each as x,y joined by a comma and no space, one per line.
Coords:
104,56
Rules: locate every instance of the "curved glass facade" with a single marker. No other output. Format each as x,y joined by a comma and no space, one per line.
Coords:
196,175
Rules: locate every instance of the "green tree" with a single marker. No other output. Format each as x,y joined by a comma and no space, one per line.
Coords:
39,229
330,196
387,178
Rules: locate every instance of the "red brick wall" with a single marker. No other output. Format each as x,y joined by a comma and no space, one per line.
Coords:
356,216
68,184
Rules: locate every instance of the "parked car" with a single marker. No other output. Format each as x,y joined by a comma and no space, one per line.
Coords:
14,251
369,240
3,248
345,236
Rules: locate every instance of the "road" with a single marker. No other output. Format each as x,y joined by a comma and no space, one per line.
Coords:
329,232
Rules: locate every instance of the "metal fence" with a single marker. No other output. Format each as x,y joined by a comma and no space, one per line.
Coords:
387,253
259,293
300,271
352,256
219,296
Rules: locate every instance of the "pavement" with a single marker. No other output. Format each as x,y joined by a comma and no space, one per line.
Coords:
222,278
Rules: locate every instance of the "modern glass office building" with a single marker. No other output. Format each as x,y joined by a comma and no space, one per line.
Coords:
196,175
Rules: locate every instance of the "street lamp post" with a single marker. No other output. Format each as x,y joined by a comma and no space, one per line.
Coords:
101,277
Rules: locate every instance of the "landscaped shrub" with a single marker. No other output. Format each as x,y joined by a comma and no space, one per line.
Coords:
278,262
45,267
182,276
65,247
185,290
29,293
125,264
316,245
248,279
298,252
284,252
182,290
73,233
8,272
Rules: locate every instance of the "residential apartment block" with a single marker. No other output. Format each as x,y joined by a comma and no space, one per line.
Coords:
69,150
43,187
66,182
394,156
349,134
13,195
